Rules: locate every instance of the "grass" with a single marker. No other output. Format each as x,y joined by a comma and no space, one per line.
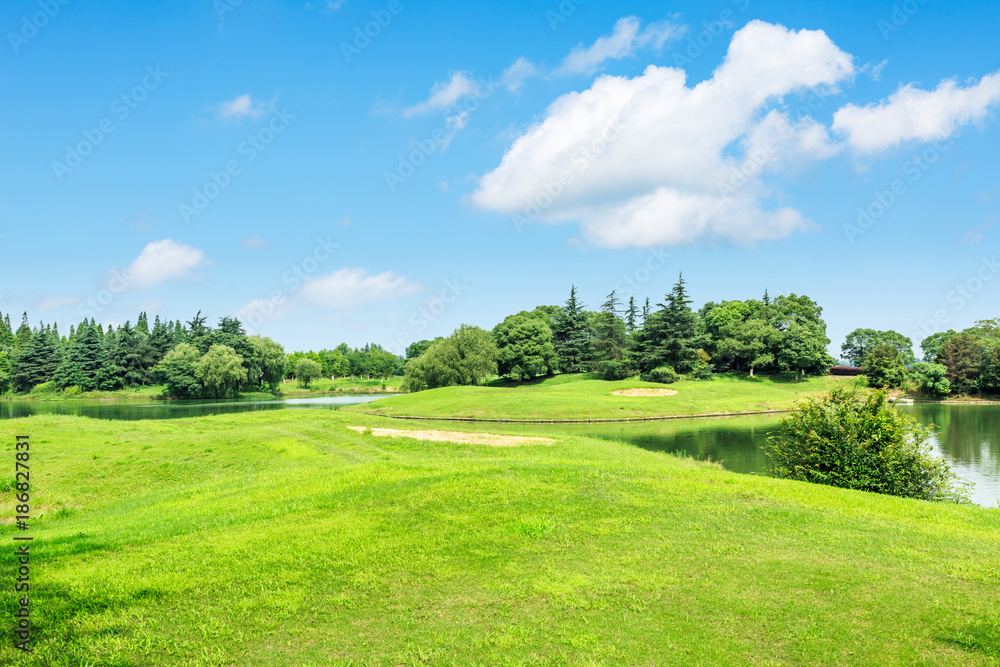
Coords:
283,538
585,397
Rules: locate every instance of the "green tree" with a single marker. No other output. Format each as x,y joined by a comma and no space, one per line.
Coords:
884,366
437,367
931,346
36,361
81,364
860,341
307,370
177,368
803,349
857,441
5,371
962,355
477,354
930,378
571,335
414,350
674,337
747,344
524,347
267,363
220,371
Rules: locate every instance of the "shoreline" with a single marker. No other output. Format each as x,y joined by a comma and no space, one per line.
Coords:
595,420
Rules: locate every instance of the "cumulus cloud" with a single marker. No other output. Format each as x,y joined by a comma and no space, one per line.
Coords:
161,261
911,113
242,107
625,40
346,288
444,95
649,160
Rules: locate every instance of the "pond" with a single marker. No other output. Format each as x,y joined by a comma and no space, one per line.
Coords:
969,435
132,411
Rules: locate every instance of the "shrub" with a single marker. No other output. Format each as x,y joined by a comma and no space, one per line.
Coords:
613,370
855,440
662,374
884,367
45,388
73,390
847,370
930,378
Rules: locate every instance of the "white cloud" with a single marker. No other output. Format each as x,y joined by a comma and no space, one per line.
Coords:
242,107
625,39
56,302
444,95
914,114
161,261
514,76
648,160
346,288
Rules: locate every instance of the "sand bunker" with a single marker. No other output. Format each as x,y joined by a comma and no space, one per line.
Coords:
491,439
645,391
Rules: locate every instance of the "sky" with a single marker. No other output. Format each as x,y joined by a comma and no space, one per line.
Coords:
349,171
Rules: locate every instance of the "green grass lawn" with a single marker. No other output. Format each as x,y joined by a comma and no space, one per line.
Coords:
584,397
283,538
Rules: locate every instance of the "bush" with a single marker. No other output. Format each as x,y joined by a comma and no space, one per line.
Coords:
847,370
73,390
885,367
857,441
613,370
45,388
662,374
930,378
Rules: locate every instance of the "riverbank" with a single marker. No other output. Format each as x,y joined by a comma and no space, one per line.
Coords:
288,389
153,535
582,398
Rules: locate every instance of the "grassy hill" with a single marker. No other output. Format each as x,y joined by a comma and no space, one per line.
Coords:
284,538
584,397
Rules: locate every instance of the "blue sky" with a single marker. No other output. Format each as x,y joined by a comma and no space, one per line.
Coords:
464,161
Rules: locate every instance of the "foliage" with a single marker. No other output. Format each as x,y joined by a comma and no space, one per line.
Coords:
220,371
177,371
307,370
266,364
861,341
857,441
962,355
884,366
931,345
661,375
524,347
466,357
572,335
930,378
613,370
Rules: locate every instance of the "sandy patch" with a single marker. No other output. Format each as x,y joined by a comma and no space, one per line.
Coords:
491,439
644,391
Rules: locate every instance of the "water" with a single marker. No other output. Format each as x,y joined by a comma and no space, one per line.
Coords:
968,435
132,411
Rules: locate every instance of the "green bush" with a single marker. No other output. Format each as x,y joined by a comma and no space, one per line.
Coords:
930,378
662,374
885,367
73,390
613,370
855,440
45,388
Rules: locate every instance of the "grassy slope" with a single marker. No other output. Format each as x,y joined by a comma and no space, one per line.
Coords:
581,397
282,538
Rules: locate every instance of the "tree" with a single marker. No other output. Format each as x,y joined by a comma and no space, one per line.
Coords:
197,333
930,378
931,346
437,367
524,347
803,349
962,355
267,363
5,370
571,336
307,370
220,371
884,366
81,364
857,441
674,335
177,368
414,350
747,344
631,315
36,361
477,354
860,341
134,355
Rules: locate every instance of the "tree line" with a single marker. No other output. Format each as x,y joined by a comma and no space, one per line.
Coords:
620,340
954,362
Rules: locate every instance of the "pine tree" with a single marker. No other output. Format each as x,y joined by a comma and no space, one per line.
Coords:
645,313
82,363
36,362
142,324
134,355
675,339
631,316
571,336
610,338
23,331
161,339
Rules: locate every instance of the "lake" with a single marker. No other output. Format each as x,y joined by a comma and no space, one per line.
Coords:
969,435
